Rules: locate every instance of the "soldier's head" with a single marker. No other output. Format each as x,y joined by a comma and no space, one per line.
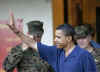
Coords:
64,35
83,35
35,28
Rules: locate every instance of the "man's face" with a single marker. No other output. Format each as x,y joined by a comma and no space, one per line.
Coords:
60,39
83,42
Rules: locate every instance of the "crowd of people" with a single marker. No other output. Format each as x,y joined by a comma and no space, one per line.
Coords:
74,50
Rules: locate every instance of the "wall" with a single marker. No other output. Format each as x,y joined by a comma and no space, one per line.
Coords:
30,10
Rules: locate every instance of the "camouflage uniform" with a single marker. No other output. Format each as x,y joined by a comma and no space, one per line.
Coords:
25,61
96,54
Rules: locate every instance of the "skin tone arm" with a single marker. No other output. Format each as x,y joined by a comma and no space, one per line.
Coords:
30,42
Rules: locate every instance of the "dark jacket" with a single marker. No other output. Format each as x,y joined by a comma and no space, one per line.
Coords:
27,61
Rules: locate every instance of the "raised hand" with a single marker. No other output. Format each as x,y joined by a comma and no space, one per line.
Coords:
30,42
11,24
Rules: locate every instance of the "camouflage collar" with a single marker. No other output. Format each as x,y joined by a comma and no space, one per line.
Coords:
94,44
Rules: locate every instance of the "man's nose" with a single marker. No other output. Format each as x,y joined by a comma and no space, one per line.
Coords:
55,39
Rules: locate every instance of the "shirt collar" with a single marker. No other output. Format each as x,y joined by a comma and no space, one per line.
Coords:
74,53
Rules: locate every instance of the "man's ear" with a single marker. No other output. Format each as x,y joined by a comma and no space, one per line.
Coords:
69,38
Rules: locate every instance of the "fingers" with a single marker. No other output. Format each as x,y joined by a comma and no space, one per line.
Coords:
12,22
32,37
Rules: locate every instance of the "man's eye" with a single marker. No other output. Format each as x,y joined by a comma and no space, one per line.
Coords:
58,37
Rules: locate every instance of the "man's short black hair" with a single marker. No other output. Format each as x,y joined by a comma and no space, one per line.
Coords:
67,29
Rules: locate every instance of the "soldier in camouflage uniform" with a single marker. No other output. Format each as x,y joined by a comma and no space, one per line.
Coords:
24,58
83,36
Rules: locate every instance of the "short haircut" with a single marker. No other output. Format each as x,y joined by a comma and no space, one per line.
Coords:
67,29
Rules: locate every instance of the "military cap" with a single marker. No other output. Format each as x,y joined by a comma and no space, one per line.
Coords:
35,26
83,31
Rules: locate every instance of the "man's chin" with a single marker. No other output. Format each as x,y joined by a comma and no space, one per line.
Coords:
59,46
82,46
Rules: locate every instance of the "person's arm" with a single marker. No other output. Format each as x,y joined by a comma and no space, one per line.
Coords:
88,63
27,40
13,58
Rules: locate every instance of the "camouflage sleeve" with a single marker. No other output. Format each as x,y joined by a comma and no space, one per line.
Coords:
48,66
12,59
51,69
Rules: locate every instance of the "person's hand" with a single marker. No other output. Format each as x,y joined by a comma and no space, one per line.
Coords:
11,24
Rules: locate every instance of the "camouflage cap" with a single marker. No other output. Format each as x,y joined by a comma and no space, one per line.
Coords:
83,31
35,26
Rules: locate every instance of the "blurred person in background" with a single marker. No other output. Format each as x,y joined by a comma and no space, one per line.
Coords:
84,38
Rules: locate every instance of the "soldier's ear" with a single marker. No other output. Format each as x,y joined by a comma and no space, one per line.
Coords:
90,38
